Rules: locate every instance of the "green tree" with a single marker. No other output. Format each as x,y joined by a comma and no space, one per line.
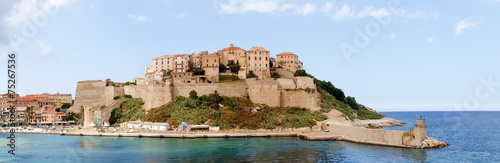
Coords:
351,101
251,75
222,67
300,73
115,116
281,63
58,109
275,75
234,67
66,105
193,94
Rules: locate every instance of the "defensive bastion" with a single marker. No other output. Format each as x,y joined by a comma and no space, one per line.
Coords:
296,92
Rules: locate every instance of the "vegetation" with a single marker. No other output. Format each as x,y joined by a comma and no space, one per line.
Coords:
198,71
234,67
66,105
222,68
328,87
275,75
129,83
129,110
351,101
116,97
301,73
231,112
329,102
225,78
193,94
72,116
58,109
251,75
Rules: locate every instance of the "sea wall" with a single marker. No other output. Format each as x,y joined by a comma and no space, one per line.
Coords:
410,138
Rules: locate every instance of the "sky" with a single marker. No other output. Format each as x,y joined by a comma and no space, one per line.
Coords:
390,55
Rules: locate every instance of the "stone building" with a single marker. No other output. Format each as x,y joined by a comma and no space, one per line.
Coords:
258,62
230,53
210,63
289,61
61,99
164,62
181,63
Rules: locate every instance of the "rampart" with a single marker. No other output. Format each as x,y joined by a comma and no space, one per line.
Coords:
410,138
281,92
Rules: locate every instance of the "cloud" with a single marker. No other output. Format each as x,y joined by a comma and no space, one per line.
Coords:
137,17
306,9
235,6
16,16
373,12
45,49
263,6
466,24
393,36
344,12
431,40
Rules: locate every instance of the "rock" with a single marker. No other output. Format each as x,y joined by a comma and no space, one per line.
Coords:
432,143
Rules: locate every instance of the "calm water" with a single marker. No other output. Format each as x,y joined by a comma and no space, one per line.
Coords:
475,137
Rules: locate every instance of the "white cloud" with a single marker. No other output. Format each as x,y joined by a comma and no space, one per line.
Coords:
431,40
374,12
137,17
235,6
327,7
45,49
393,36
344,12
306,9
466,24
264,6
16,16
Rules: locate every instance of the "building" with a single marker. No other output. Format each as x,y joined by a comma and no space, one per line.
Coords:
258,62
160,126
289,61
210,63
195,59
181,63
230,53
61,99
164,62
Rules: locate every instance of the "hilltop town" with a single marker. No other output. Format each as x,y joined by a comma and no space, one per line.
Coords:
226,90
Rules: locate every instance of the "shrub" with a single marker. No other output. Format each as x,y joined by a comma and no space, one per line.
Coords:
193,94
225,78
301,73
251,75
198,72
116,97
275,75
127,96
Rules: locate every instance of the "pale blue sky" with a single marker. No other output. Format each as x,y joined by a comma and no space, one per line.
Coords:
430,55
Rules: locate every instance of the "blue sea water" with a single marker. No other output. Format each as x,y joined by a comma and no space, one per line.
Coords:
474,137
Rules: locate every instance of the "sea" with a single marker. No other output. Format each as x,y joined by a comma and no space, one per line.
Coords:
474,137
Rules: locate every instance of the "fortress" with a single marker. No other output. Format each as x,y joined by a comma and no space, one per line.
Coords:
280,92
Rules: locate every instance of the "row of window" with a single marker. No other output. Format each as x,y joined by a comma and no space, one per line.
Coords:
260,58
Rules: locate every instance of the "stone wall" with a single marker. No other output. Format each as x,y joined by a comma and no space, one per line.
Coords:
286,84
153,95
374,136
303,82
264,91
238,89
300,98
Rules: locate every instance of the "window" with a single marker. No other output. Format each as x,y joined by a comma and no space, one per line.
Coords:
266,65
260,58
266,58
248,58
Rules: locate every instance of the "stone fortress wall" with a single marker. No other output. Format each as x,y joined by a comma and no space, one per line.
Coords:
410,138
270,92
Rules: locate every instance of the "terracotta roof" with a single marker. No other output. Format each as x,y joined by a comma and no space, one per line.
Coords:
231,48
180,55
285,53
255,48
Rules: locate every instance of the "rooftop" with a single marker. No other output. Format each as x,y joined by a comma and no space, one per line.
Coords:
257,48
